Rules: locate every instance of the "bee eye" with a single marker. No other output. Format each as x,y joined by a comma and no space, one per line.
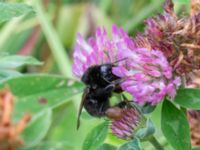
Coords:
104,68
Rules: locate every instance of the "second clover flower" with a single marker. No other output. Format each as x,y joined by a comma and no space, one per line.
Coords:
147,75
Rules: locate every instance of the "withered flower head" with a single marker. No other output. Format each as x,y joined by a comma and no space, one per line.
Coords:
177,37
10,132
195,7
194,120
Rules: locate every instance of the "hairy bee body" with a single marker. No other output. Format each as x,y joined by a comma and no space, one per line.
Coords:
100,83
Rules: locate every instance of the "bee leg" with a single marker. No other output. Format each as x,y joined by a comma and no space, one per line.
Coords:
102,107
106,80
117,82
101,110
109,88
124,102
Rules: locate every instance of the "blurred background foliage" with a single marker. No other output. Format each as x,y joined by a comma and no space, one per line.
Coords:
47,30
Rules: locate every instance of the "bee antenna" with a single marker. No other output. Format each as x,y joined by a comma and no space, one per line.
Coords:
120,60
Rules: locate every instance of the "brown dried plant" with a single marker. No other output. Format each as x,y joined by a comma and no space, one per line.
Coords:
194,121
178,37
9,131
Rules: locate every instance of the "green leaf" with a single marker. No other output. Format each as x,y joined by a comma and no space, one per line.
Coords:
86,116
175,126
64,125
51,145
12,62
8,74
10,10
37,129
132,145
96,137
34,93
9,63
196,148
188,98
107,147
147,131
146,109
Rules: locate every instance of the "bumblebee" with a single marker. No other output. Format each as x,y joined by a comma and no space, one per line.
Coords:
100,84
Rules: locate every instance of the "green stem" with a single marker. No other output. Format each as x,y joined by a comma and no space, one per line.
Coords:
155,143
8,30
56,46
144,13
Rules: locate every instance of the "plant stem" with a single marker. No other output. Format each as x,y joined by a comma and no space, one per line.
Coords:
8,30
155,143
144,13
57,49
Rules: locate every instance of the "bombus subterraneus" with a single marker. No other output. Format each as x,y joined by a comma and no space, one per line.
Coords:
100,83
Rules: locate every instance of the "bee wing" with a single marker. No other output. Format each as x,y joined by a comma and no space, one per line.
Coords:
85,93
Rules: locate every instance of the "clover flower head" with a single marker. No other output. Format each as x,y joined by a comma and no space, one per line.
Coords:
125,126
98,50
147,75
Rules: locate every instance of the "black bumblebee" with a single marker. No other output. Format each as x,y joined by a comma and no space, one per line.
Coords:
100,83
